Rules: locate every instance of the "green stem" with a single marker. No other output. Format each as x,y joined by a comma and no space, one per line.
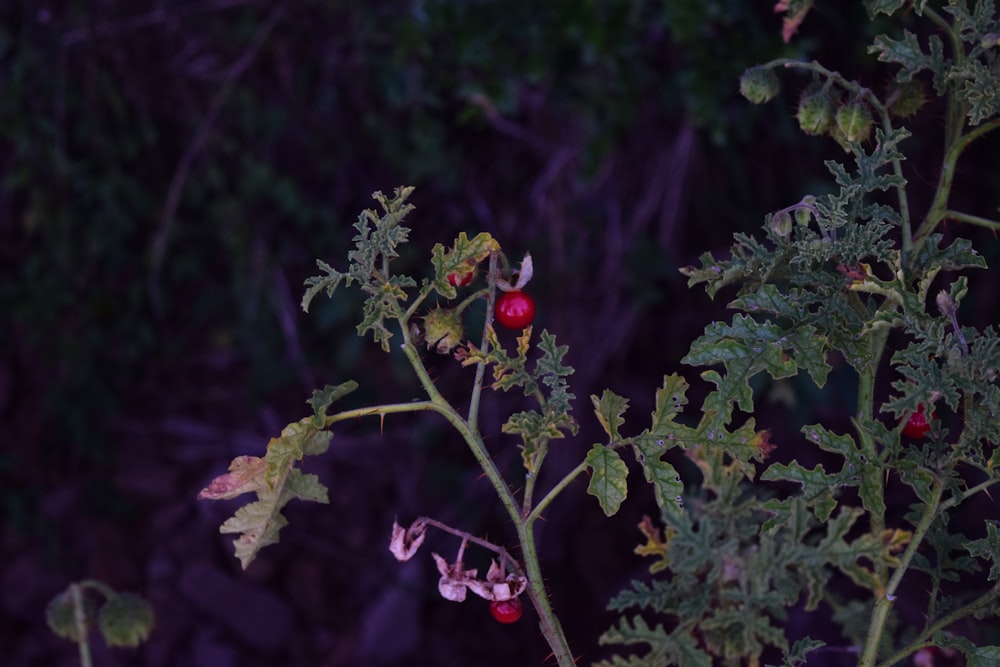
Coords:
548,622
413,406
536,512
925,637
886,598
939,207
80,620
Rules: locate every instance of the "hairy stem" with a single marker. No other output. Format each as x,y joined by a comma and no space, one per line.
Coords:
883,604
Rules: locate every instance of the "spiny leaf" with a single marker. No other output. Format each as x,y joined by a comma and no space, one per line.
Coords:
608,478
536,430
609,409
667,485
983,656
275,480
800,651
463,256
988,548
323,398
676,648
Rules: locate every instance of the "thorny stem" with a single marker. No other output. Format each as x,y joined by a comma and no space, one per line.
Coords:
923,639
548,622
885,600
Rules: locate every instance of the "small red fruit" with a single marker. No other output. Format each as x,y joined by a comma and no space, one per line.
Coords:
917,425
460,279
506,611
515,310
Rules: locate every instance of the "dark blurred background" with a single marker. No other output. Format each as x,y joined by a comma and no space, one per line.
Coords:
171,171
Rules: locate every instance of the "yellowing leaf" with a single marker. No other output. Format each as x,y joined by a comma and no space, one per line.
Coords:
246,474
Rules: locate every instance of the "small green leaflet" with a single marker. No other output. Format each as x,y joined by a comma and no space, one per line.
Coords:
608,478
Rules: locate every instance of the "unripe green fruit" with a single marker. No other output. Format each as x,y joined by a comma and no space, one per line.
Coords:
443,330
759,84
816,112
854,120
60,614
909,97
125,620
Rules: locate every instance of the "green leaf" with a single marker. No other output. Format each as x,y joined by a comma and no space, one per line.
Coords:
746,347
677,648
988,548
317,284
875,7
323,398
375,246
276,481
608,478
670,400
983,656
668,488
800,651
463,256
536,430
609,409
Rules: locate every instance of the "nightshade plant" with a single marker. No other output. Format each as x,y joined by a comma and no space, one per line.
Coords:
853,276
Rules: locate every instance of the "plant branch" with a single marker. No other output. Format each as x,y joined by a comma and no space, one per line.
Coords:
80,621
886,598
925,637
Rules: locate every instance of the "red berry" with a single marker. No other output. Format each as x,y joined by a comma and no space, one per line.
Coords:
506,611
515,310
460,279
917,425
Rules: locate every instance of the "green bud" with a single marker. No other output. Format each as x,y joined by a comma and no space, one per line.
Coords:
854,120
815,113
759,84
443,330
907,98
60,614
125,620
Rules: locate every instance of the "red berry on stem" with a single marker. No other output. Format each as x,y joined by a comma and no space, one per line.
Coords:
917,425
460,279
515,310
506,611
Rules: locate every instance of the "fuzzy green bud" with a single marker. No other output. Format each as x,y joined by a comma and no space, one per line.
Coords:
60,614
854,120
815,113
907,98
125,620
443,330
759,84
